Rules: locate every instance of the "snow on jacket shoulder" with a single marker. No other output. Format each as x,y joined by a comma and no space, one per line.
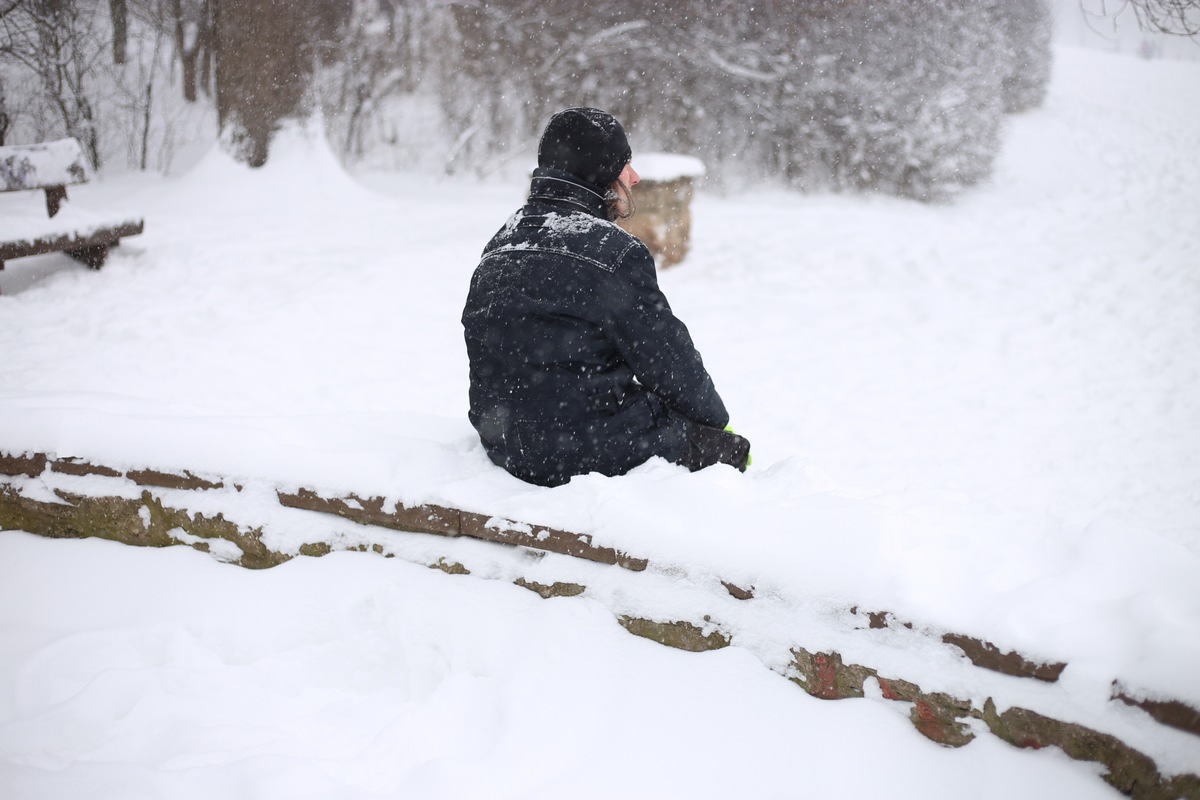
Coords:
577,363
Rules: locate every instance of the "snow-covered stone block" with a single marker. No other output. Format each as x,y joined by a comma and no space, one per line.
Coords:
664,204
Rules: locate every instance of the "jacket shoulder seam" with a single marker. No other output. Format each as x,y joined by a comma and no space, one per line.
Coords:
551,251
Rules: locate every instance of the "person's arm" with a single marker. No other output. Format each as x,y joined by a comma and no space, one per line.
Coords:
657,345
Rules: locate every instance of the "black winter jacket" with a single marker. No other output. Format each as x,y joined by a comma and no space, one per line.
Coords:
577,363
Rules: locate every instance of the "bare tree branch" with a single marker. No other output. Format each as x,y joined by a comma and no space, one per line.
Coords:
119,11
7,6
1176,17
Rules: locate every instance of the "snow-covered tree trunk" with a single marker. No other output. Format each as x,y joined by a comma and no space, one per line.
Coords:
264,71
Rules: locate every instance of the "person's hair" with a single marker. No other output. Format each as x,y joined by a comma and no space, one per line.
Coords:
613,198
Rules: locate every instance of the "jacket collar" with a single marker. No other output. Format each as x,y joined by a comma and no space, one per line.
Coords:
558,188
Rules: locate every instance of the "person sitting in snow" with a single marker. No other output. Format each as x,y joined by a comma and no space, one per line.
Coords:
577,363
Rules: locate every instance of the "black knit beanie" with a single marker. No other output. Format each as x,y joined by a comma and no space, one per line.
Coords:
586,142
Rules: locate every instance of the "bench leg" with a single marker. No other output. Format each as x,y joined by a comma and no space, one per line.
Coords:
55,195
92,256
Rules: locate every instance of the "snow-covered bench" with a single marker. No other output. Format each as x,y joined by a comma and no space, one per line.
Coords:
52,167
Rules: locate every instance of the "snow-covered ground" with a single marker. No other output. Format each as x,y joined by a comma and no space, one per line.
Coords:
981,417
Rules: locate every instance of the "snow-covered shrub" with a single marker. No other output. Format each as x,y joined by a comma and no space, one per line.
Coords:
906,100
899,96
1027,32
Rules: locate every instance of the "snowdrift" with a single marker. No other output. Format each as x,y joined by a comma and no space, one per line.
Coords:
976,419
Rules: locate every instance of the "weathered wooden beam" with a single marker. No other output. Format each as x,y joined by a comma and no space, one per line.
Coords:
90,248
30,464
1173,713
987,655
76,466
165,480
556,589
371,511
737,591
540,537
143,521
147,521
445,521
979,652
679,634
453,522
937,716
1129,771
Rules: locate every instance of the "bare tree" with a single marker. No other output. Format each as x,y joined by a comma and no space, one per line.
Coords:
365,60
193,31
58,42
1180,17
119,12
132,82
5,119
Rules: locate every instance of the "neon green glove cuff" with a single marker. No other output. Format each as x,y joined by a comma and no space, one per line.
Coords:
749,458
